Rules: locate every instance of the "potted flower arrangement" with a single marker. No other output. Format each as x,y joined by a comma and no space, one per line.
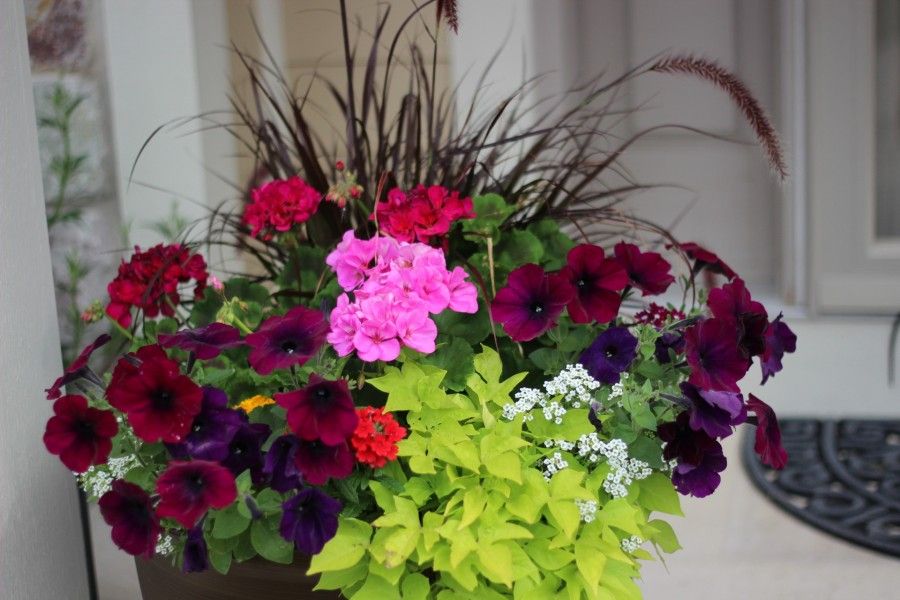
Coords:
433,390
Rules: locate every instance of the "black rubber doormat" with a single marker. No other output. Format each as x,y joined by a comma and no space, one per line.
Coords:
842,477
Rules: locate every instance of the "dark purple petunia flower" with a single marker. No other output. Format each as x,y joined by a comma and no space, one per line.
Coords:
79,368
135,527
703,479
309,520
768,434
212,429
285,341
731,303
323,410
714,412
245,450
704,259
712,352
610,354
195,558
531,302
318,462
779,340
647,271
598,282
205,342
684,444
188,489
279,465
669,340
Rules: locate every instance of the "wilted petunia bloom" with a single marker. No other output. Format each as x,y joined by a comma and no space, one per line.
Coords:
611,353
212,429
704,259
323,410
669,340
714,357
78,368
319,462
135,527
80,435
245,449
768,434
731,303
647,271
700,458
714,412
531,302
598,282
196,555
280,466
205,342
309,520
285,341
187,489
779,340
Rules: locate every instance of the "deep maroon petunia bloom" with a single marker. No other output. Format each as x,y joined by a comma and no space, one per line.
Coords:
79,367
245,450
318,462
669,340
531,302
611,353
285,341
135,527
732,303
279,465
205,342
683,443
309,520
713,354
195,558
187,489
714,412
212,429
704,259
158,400
700,480
779,340
80,435
647,271
768,434
598,282
323,410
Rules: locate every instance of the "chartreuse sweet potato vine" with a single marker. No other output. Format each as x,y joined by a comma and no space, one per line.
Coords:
473,514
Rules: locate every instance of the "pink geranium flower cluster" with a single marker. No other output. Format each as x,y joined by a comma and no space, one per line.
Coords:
395,287
422,214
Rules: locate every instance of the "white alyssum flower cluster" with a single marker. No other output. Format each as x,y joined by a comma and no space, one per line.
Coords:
165,546
554,464
97,480
574,387
622,469
630,545
587,509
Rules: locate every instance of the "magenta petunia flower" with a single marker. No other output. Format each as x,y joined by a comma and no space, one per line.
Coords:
731,303
128,509
205,342
309,520
284,341
158,400
531,302
80,435
598,282
768,434
647,271
323,410
79,367
714,412
318,462
704,259
779,340
611,353
187,489
714,357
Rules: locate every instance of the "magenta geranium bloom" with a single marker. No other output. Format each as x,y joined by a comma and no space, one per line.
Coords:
309,520
158,400
285,341
205,342
704,259
79,367
280,464
128,509
714,412
714,357
187,489
732,303
318,462
80,435
323,410
597,281
611,353
768,434
779,340
531,302
647,271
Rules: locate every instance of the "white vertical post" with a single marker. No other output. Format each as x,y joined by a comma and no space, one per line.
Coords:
41,545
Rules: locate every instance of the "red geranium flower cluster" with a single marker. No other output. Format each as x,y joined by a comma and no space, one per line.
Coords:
658,316
278,205
150,280
376,436
421,214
